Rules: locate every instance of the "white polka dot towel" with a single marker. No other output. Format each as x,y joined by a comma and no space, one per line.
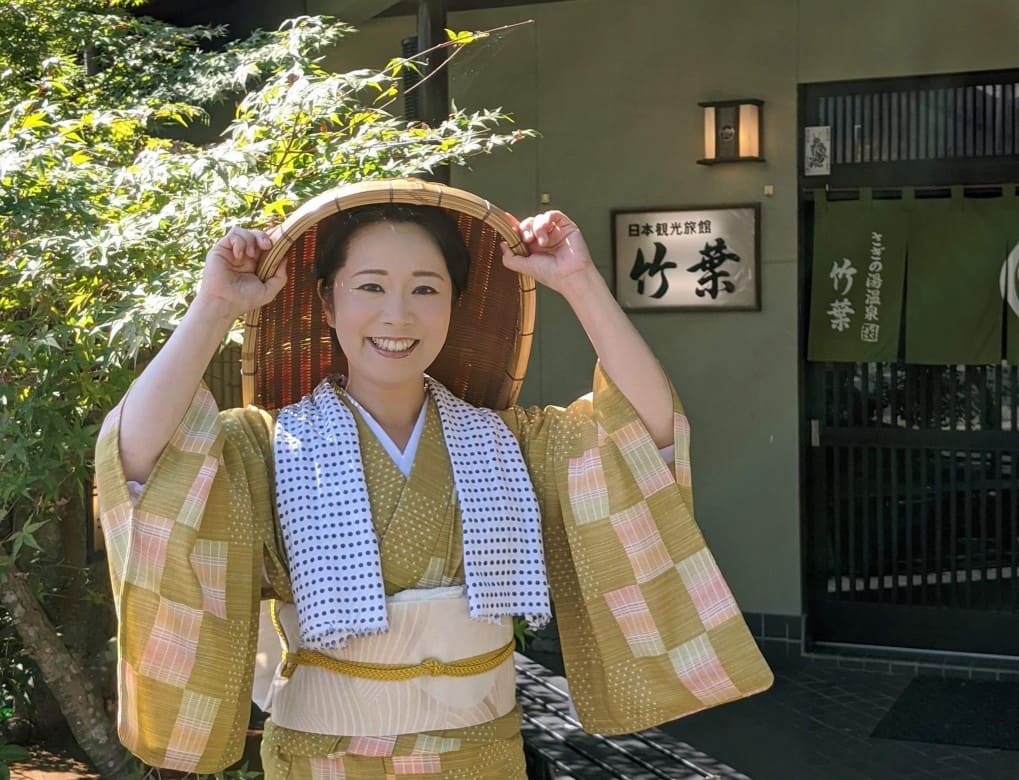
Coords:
331,545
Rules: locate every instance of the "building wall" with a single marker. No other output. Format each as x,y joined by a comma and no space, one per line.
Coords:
613,89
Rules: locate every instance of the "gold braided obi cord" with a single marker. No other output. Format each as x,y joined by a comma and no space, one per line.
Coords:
468,667
434,669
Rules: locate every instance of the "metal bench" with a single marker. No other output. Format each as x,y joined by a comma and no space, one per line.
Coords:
556,748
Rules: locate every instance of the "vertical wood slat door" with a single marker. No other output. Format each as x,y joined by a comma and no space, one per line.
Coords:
912,499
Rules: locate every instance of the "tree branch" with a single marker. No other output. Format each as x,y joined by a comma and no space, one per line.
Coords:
79,700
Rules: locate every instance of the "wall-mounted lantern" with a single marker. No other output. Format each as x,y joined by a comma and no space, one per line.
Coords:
732,131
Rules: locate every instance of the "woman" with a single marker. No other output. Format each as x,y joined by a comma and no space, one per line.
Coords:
399,528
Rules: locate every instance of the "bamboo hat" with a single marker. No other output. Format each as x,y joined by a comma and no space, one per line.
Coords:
287,346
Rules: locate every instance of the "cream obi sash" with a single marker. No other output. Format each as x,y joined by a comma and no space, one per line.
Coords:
432,623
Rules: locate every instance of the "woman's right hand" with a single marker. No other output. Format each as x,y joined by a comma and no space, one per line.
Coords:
229,282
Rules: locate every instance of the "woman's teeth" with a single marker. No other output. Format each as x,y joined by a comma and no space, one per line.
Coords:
393,345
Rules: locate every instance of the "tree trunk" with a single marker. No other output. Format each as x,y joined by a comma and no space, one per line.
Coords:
77,696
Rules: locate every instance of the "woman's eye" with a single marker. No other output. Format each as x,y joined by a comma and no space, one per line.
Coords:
425,289
370,287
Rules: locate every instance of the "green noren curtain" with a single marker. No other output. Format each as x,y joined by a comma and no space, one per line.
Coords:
857,279
957,246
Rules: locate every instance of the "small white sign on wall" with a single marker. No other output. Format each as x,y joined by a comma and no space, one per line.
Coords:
817,150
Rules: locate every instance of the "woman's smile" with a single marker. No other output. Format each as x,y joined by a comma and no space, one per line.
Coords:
393,348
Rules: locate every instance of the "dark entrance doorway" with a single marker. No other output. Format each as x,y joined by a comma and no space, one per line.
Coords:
911,495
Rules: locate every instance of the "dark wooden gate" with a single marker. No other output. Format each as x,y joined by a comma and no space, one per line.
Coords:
911,491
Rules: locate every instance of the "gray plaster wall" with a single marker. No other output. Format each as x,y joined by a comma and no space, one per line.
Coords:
613,87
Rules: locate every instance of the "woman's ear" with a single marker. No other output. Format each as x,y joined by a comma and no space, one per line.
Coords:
325,295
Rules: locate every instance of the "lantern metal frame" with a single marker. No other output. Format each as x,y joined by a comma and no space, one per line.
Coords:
740,138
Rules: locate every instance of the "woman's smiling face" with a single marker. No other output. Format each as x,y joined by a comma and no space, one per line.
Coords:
390,305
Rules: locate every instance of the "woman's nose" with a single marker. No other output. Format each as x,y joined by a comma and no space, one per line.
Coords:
396,309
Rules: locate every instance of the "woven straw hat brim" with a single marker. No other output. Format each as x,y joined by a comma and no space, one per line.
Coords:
287,346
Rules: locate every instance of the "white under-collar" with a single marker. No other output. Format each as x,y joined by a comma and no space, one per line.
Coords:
404,460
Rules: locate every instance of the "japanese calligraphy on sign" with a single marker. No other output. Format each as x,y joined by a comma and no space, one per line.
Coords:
841,309
688,259
870,330
841,313
857,280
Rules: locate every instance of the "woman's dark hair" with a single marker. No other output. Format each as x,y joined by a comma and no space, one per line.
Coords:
336,232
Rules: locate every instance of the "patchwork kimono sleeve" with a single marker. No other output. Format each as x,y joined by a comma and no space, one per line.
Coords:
186,566
648,626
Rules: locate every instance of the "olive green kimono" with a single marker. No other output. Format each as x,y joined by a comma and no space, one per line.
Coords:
648,627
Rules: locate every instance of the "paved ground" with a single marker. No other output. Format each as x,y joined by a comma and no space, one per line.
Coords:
814,724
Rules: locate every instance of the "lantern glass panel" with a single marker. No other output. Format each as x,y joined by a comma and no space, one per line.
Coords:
709,132
749,130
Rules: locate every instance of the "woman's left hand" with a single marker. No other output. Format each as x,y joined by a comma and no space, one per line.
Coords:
558,256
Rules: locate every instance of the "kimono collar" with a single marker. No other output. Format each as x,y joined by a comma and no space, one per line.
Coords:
325,515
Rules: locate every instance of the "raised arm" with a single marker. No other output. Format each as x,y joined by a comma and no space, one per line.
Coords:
160,397
559,259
